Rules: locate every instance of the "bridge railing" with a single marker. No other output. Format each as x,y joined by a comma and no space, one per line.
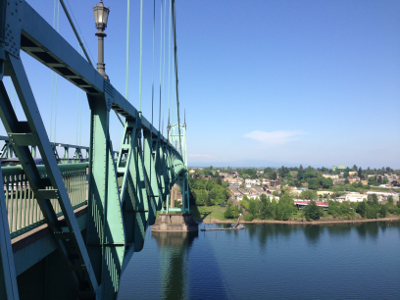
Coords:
23,210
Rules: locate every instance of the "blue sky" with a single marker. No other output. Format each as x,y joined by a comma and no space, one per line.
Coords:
264,83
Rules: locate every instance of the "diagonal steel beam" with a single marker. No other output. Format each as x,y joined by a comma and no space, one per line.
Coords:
33,133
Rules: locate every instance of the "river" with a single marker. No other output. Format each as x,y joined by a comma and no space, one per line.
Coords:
341,261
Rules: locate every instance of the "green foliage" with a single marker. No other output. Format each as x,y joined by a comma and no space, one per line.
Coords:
390,200
371,212
383,211
372,199
312,211
308,195
248,217
334,208
283,212
253,207
362,208
228,213
275,193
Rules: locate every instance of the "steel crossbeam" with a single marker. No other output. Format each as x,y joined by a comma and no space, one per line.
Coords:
148,164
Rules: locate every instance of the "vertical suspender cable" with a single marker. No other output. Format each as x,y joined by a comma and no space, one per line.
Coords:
161,47
169,56
152,86
141,55
52,77
176,71
127,49
55,114
163,72
154,40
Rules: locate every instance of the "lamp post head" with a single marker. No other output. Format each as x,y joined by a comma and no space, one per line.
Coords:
101,16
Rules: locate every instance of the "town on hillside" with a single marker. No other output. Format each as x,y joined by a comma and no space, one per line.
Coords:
233,186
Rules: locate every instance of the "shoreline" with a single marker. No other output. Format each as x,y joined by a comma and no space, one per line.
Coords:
215,221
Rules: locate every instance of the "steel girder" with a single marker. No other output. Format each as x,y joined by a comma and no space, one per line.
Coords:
30,134
118,215
8,278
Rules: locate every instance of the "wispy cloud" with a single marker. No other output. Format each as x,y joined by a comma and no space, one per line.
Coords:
274,138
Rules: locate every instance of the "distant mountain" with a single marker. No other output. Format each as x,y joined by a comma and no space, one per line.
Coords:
248,163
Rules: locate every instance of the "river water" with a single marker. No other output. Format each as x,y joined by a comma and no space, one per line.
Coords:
345,261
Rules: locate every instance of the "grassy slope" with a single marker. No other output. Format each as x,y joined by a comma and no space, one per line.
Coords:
202,212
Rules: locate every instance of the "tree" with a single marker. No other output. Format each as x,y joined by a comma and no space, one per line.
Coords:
308,194
390,199
248,217
383,211
372,199
371,212
312,211
359,172
362,208
275,193
207,200
273,176
228,213
253,207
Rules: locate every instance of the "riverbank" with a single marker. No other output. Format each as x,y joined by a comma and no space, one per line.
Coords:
291,222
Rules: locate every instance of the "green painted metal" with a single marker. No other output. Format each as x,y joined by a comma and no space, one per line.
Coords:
134,194
8,278
32,133
123,198
105,229
23,210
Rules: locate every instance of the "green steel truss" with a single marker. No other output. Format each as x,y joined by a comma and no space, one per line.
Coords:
124,194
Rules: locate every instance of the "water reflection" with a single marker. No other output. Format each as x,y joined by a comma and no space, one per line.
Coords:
174,251
312,233
262,261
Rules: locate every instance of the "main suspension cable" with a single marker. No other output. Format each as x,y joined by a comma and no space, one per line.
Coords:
127,49
141,56
176,72
161,47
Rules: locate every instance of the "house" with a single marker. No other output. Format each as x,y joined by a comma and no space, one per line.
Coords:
252,181
338,180
353,173
354,179
331,176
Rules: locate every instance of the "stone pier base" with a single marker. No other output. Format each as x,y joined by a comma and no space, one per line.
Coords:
175,223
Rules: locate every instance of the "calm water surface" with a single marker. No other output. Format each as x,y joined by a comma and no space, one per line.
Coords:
347,261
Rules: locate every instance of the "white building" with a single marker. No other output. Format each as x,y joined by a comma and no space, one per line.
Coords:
252,181
355,197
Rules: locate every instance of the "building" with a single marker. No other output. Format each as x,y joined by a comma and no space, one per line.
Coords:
353,173
384,195
303,203
355,197
331,176
324,193
252,181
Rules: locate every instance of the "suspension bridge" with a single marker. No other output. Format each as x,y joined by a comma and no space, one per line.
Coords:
70,223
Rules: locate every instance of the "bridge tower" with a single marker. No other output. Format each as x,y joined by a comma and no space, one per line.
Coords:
176,134
79,253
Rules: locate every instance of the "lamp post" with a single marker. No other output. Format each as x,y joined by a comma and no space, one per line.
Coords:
101,17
